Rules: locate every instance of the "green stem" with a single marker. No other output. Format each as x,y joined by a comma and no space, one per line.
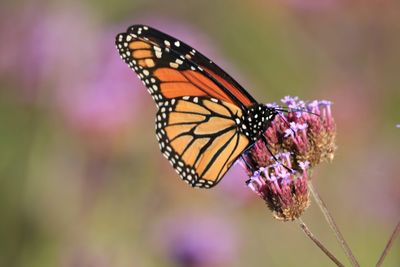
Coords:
307,231
333,226
388,245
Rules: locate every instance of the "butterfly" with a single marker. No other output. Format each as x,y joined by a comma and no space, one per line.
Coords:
205,119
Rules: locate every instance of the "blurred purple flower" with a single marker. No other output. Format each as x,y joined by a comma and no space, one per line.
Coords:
102,103
45,45
232,187
398,126
197,241
298,140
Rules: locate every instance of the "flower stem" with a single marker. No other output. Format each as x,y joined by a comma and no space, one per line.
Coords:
318,243
333,226
388,245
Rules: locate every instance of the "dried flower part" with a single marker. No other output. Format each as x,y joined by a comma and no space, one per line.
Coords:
280,163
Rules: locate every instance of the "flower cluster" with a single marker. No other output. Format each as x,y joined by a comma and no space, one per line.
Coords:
279,164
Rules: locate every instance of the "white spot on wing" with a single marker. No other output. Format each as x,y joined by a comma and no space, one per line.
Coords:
173,65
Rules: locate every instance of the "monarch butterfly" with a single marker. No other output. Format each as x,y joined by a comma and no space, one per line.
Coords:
205,119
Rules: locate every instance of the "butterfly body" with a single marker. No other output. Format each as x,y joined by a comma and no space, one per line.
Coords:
255,120
205,119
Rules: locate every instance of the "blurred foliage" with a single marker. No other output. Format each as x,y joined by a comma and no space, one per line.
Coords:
82,182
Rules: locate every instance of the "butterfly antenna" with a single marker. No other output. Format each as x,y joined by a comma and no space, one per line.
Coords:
288,110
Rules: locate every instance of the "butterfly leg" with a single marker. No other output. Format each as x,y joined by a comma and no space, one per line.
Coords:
287,123
273,156
248,164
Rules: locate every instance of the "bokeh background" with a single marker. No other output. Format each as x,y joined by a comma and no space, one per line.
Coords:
82,181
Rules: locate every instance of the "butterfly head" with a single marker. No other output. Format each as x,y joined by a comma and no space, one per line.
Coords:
255,121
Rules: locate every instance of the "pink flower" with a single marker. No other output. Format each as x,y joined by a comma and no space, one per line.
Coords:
101,105
298,140
197,240
45,46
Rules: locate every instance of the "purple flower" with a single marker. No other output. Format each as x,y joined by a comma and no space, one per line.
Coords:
197,240
101,102
291,102
304,165
284,192
232,188
45,46
298,140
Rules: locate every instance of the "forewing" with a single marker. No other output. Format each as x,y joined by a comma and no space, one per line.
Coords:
169,68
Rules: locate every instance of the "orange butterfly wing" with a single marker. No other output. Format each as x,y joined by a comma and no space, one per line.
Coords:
200,138
199,104
169,68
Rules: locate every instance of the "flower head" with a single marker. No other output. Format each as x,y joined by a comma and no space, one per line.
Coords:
279,165
285,192
307,130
